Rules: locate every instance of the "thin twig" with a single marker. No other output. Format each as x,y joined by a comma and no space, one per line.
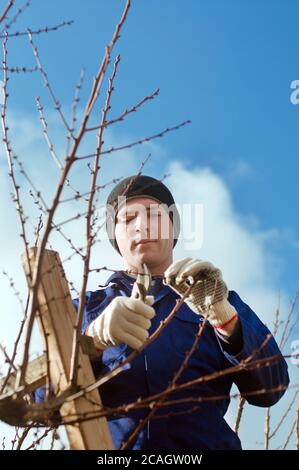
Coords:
16,187
50,144
15,348
19,11
23,437
138,142
12,285
282,419
39,412
126,112
239,414
163,324
277,315
297,426
20,69
68,164
289,435
38,194
89,234
56,227
265,362
74,109
8,7
46,134
56,103
267,429
47,29
87,193
38,441
290,329
177,375
286,323
7,358
155,406
38,229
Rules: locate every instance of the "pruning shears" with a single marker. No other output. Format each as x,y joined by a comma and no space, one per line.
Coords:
142,283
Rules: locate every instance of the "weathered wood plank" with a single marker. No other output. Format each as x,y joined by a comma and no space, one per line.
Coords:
56,319
36,372
35,377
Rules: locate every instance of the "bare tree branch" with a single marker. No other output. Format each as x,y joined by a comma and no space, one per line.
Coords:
282,419
286,323
74,109
239,414
89,234
8,7
126,112
68,164
16,187
47,29
19,11
57,105
267,429
138,142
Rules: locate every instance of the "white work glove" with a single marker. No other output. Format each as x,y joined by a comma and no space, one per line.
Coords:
209,293
124,320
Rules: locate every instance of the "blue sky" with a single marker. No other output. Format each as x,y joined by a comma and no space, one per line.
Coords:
225,65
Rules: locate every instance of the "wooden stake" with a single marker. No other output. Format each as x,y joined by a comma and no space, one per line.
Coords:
56,319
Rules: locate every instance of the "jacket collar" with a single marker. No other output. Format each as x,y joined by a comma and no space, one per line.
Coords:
125,281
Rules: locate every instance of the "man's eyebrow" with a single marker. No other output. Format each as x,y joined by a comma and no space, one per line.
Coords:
148,208
130,211
152,206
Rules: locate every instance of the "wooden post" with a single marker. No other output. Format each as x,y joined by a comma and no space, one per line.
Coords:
56,319
36,376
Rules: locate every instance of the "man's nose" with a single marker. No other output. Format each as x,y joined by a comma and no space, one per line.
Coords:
141,224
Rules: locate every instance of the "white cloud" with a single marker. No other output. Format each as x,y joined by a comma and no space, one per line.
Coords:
245,261
239,252
239,169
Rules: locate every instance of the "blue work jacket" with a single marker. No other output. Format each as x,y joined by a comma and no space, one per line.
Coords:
192,425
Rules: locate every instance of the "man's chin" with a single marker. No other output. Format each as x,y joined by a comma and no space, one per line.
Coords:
147,258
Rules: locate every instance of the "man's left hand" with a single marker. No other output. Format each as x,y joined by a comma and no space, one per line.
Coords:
209,293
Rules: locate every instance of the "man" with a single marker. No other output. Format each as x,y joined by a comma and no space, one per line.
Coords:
137,221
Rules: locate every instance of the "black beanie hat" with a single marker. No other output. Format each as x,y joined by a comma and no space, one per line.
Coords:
139,186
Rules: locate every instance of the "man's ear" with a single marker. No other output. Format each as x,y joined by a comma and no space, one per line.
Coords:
173,233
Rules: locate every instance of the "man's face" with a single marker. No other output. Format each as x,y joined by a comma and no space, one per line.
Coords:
144,233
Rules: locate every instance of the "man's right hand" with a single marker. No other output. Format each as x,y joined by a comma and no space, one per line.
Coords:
124,320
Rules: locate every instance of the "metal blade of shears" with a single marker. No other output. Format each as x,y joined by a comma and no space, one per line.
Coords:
142,283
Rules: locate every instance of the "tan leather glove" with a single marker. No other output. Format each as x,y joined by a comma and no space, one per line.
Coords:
124,320
209,293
